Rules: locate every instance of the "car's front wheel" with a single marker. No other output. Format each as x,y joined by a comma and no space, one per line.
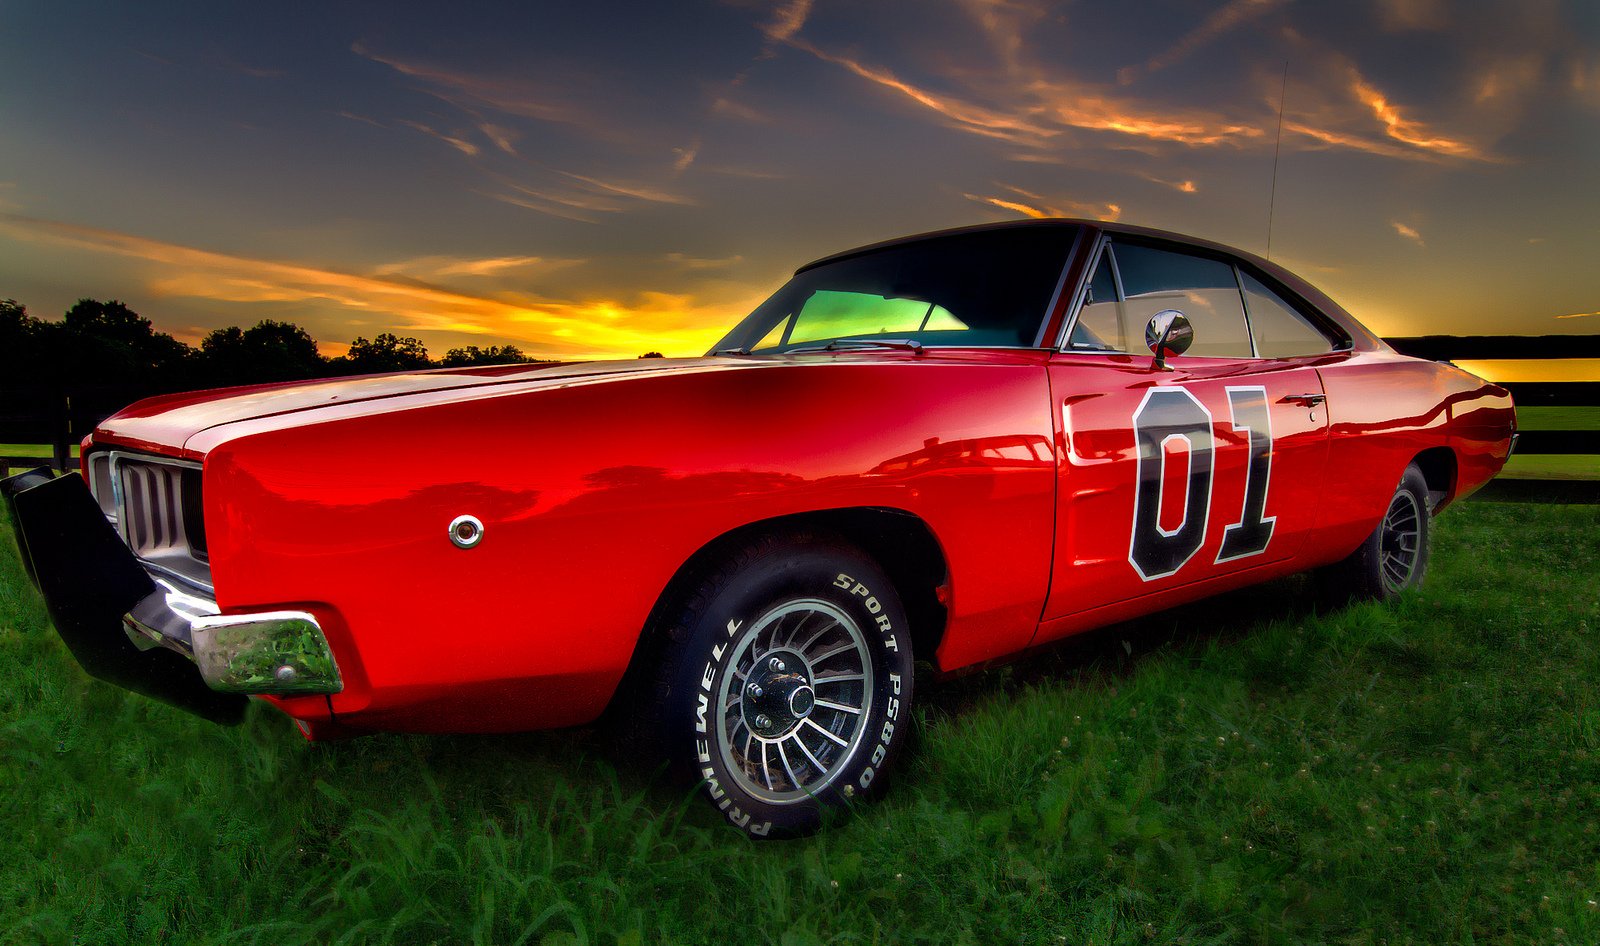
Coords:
786,682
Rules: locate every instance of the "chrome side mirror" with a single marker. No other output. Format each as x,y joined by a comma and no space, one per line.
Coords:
1169,333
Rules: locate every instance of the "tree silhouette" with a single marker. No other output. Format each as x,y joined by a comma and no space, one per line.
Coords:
267,351
386,352
115,345
493,355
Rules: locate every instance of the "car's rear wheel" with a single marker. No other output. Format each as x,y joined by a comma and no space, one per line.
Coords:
786,682
1395,556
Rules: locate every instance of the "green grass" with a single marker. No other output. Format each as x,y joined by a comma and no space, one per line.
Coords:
1574,466
30,450
1242,771
1558,418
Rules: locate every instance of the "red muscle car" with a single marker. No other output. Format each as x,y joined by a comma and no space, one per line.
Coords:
952,447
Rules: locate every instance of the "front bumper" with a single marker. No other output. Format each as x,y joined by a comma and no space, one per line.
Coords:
145,633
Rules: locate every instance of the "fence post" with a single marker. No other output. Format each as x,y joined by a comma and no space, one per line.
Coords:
63,438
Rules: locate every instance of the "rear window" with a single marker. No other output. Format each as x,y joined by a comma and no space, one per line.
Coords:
1280,331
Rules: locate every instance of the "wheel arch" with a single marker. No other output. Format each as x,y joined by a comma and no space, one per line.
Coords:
900,542
1440,468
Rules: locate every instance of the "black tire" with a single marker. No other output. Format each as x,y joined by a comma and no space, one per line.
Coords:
796,616
1394,557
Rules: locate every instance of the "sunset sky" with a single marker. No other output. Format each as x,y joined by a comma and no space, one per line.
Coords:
595,179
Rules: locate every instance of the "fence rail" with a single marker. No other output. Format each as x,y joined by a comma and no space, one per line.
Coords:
1573,488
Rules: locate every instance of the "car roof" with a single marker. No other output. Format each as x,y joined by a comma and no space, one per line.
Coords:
1360,334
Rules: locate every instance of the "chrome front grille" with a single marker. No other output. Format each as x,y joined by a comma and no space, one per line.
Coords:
152,507
155,504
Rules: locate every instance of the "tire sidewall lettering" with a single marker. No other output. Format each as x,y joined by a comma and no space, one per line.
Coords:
868,608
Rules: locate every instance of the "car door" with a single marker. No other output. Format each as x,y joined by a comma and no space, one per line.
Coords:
1197,470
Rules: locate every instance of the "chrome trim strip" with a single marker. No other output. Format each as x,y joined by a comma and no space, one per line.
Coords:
1061,282
1084,279
115,459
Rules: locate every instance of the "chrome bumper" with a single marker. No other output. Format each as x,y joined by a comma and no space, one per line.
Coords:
145,632
280,653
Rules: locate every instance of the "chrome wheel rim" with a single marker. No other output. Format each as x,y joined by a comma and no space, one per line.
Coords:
1400,542
793,706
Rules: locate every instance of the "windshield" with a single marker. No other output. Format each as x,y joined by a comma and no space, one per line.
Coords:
987,289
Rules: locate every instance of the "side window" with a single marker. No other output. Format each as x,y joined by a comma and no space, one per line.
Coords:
1280,331
1204,290
1099,326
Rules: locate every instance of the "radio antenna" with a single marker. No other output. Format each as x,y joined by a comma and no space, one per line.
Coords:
1277,149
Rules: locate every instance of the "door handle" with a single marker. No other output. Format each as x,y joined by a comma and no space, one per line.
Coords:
1309,400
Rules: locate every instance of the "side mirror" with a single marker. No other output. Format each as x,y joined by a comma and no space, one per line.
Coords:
1169,333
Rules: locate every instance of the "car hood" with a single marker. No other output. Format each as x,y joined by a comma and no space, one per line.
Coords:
168,422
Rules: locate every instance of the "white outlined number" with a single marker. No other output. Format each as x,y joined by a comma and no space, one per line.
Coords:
1173,413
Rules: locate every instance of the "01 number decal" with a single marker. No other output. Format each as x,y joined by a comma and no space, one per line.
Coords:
1175,414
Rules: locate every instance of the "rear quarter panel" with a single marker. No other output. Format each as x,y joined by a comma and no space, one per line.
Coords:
1384,409
592,496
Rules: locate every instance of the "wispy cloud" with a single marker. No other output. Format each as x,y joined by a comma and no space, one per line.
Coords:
1221,21
1580,315
1029,204
991,122
502,137
1184,186
244,69
634,190
445,266
787,20
510,95
455,141
1409,131
587,326
563,206
1403,15
580,196
1410,233
695,262
728,107
1040,108
685,156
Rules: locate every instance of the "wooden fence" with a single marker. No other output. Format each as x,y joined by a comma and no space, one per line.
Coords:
1577,488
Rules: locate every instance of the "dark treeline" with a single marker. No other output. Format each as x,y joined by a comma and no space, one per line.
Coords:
109,345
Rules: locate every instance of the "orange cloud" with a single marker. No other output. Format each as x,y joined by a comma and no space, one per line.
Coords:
1579,315
787,20
460,144
1339,139
993,123
1042,208
1409,233
440,266
1046,108
583,327
635,191
1409,131
685,156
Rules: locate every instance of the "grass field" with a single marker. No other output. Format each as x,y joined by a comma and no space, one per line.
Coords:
1572,466
1243,771
41,450
1558,418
